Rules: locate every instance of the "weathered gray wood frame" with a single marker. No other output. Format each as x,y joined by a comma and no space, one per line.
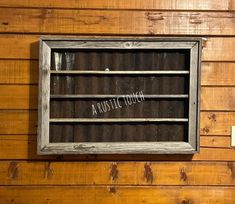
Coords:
49,43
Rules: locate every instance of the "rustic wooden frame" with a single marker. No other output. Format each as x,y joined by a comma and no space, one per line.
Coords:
190,147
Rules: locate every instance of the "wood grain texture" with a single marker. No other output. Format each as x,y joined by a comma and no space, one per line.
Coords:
18,97
17,146
215,141
57,21
218,74
218,98
217,123
123,4
19,46
117,195
116,173
18,71
18,122
232,4
26,47
219,49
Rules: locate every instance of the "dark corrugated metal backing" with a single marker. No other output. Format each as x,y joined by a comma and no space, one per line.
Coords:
119,60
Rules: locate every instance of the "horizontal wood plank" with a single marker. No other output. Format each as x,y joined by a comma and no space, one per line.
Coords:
19,46
117,195
218,74
58,21
26,47
215,141
219,49
216,123
18,147
218,98
26,97
116,173
18,122
18,71
18,97
26,72
123,4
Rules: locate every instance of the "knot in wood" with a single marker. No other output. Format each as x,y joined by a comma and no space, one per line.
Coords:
148,174
183,175
48,170
113,171
13,170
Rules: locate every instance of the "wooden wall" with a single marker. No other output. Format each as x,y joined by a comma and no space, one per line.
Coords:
208,177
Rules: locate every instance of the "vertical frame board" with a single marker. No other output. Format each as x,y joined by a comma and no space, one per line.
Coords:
44,95
194,96
190,146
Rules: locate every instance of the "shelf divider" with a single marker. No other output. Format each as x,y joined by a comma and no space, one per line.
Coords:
104,96
144,72
115,120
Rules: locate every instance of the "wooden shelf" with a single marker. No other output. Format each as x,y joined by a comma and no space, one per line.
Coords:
144,72
115,120
100,96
